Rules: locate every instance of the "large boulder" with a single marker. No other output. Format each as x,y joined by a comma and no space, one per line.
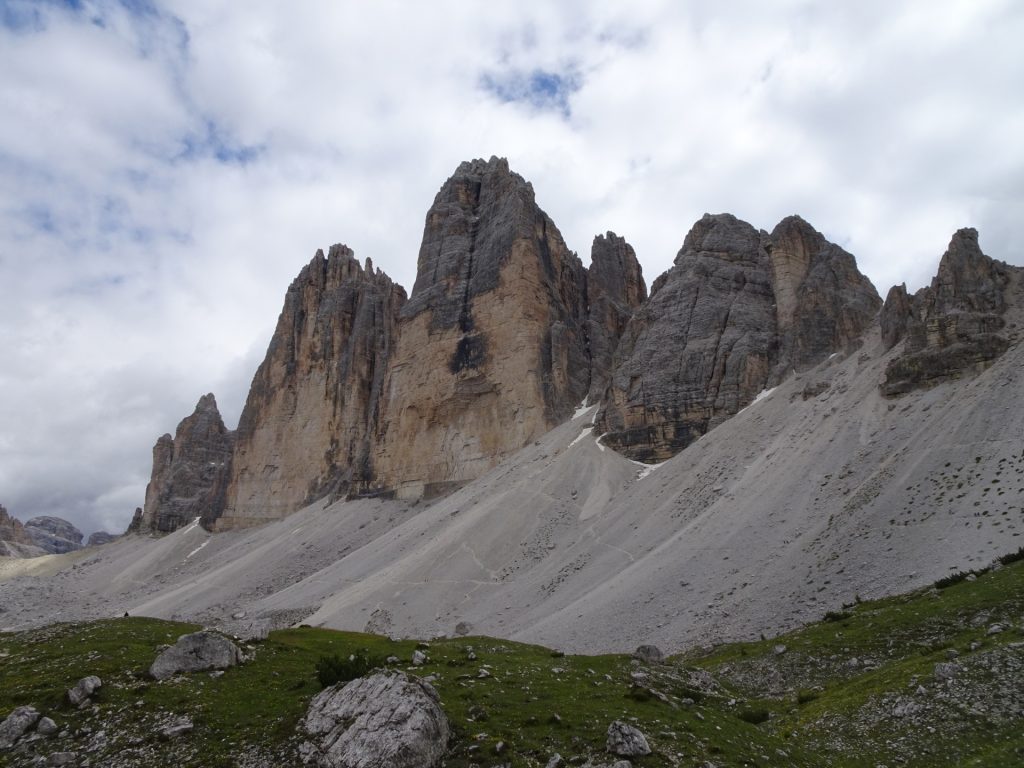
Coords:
83,690
197,652
384,720
626,741
15,725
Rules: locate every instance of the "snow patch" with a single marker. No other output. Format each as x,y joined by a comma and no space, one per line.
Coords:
762,395
586,431
197,549
599,439
646,469
582,409
191,527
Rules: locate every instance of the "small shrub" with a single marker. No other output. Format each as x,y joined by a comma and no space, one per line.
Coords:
639,693
331,670
806,696
953,578
1012,557
755,716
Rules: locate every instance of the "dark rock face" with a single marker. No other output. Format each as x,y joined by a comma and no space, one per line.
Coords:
54,535
190,472
615,289
99,538
823,303
700,348
316,400
492,349
953,326
737,312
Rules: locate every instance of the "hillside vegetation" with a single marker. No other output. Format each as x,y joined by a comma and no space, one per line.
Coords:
931,678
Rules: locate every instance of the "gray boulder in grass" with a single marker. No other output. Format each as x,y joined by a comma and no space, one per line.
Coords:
83,690
15,725
198,652
626,741
387,719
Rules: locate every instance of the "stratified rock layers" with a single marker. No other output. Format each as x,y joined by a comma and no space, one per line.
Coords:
738,311
315,402
492,350
951,327
190,472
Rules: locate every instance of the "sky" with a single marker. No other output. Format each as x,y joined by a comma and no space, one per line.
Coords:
166,169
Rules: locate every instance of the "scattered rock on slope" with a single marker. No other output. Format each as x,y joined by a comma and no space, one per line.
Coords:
190,472
53,535
954,325
385,719
197,652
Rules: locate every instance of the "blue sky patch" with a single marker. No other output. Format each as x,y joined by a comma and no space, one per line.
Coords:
213,143
539,89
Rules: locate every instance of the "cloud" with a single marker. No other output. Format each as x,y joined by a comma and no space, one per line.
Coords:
166,168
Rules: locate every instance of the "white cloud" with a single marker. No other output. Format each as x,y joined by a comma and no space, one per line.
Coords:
166,169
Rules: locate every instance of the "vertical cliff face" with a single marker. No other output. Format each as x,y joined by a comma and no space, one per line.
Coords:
315,402
823,302
737,312
492,350
615,289
700,348
190,472
952,327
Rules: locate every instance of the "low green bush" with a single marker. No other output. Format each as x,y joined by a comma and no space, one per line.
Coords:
331,670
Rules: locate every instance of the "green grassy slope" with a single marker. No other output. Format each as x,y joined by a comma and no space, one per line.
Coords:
859,689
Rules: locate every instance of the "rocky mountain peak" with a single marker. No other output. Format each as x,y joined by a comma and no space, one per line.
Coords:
54,535
190,471
476,217
615,289
492,350
737,313
315,401
967,279
952,327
